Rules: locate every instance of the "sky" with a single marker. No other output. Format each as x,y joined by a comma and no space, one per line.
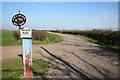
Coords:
60,0
62,15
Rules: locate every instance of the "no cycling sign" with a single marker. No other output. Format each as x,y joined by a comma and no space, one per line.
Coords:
26,35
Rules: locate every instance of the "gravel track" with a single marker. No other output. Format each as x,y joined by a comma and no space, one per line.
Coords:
72,58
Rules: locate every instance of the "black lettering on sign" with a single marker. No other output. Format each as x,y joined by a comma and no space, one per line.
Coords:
25,32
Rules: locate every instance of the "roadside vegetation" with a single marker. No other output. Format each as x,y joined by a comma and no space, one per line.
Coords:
13,68
12,38
105,38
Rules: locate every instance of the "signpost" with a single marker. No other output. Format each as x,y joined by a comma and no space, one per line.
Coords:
26,35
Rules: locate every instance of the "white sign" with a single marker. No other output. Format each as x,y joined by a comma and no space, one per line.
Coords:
26,33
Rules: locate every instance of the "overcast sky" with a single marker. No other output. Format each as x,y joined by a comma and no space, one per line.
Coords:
62,15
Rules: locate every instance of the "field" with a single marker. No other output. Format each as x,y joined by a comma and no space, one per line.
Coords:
8,39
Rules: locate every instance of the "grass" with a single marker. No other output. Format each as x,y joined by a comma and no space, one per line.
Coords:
102,44
13,68
52,38
9,40
40,67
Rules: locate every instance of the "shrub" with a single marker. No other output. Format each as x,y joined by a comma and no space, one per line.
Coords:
36,35
16,35
39,35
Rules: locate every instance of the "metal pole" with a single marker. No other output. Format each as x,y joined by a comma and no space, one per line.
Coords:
27,57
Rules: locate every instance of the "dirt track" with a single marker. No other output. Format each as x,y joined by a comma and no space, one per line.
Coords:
74,57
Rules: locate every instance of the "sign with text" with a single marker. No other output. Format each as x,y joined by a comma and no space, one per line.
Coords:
26,33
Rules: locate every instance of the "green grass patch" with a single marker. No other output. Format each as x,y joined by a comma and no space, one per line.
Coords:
8,39
13,68
102,44
52,38
40,67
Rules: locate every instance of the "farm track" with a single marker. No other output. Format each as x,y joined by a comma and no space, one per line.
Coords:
72,58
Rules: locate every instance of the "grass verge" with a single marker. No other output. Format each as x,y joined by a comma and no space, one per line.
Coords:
52,38
102,44
13,68
8,39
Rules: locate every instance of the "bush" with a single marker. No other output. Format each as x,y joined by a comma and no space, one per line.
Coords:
16,35
39,35
36,35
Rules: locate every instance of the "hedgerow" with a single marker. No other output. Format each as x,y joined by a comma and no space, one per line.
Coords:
106,36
